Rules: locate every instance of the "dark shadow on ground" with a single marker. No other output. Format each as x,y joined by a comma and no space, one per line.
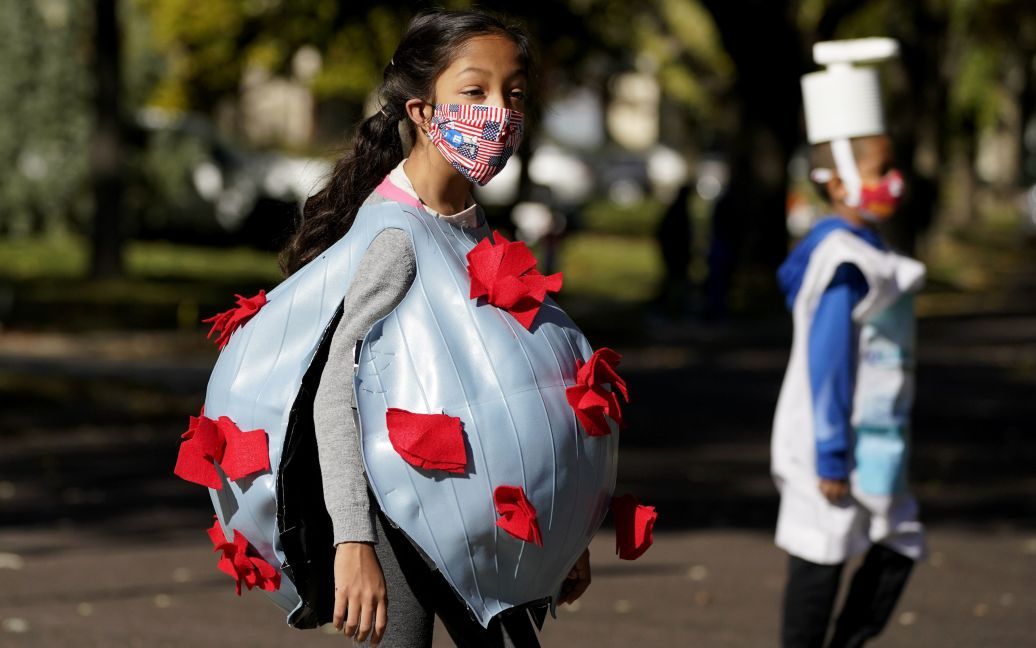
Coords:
91,442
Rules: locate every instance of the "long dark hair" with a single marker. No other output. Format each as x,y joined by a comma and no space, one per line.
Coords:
426,49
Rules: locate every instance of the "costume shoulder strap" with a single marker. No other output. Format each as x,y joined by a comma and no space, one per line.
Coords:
888,274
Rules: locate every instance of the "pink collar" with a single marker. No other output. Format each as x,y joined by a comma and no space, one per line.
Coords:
391,192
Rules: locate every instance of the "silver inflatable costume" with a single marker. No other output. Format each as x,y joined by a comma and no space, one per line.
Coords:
438,352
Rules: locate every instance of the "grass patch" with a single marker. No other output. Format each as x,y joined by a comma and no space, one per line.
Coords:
67,257
170,286
58,257
640,219
161,260
979,258
595,264
605,266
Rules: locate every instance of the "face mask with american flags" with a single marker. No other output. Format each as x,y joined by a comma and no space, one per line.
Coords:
476,139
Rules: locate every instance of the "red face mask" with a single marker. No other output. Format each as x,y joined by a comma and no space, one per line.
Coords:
879,200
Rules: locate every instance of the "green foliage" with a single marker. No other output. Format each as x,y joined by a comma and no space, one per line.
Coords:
992,44
51,257
65,257
610,267
356,55
588,259
207,45
679,40
45,103
693,27
607,217
975,94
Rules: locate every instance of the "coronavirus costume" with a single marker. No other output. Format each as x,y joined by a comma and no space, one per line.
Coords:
489,426
883,509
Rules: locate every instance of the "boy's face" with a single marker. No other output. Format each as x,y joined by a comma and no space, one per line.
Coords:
873,158
881,184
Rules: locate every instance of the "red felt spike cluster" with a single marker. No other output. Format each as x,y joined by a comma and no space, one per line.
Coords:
227,322
210,442
505,273
517,514
242,562
634,526
427,441
595,394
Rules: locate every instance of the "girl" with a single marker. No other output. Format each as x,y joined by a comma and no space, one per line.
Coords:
383,587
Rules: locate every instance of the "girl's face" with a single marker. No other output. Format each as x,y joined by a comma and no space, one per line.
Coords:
486,70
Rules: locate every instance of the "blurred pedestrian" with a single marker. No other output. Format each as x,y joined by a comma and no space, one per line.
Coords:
675,241
841,430
722,256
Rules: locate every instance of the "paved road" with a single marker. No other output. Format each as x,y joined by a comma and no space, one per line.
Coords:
694,588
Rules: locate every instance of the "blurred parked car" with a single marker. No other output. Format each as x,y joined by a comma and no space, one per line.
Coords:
188,183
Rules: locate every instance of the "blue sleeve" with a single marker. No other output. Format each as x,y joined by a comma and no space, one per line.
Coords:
832,370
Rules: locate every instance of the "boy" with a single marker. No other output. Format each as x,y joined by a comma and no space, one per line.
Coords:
841,428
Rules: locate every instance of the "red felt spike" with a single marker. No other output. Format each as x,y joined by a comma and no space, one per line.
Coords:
600,369
227,322
634,526
245,453
428,441
505,273
508,291
595,394
216,534
517,514
201,449
242,562
208,443
482,273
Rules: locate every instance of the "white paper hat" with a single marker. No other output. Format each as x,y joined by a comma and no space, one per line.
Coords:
844,101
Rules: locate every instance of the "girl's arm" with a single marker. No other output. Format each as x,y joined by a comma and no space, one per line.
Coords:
382,279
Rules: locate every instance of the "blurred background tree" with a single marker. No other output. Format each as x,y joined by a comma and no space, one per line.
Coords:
107,160
44,135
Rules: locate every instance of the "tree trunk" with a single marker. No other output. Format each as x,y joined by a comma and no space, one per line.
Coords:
917,120
761,39
107,146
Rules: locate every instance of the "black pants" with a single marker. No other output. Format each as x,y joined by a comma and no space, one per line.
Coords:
809,600
417,594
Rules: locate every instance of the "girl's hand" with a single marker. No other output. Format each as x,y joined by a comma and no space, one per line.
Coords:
577,580
834,490
359,593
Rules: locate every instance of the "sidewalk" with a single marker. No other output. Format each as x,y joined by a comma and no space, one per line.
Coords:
694,588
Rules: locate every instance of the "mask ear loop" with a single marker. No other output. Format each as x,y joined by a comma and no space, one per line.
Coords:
845,163
428,124
821,175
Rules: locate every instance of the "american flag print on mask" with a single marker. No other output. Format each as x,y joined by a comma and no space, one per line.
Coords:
476,139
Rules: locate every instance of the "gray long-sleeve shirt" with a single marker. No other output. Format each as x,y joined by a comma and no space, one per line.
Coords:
382,279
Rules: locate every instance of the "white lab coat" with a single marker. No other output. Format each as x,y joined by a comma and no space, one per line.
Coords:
881,508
